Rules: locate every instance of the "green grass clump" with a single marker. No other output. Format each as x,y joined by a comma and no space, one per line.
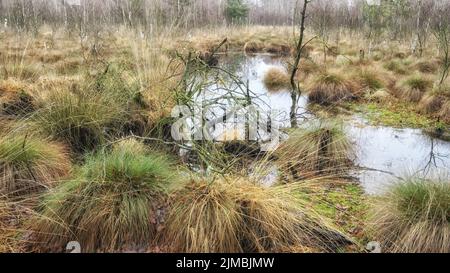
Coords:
418,82
29,164
370,80
110,204
414,87
87,117
396,67
414,216
82,120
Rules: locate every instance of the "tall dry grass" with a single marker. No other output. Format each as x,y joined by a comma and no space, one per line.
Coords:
235,215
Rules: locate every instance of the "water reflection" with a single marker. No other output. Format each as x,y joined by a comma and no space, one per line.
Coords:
388,153
384,153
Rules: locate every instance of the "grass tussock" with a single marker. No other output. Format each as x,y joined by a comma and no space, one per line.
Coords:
330,88
29,164
379,96
316,151
81,120
239,216
425,66
278,48
307,68
431,104
396,66
253,47
9,232
10,86
370,80
276,79
89,115
414,216
414,87
434,102
14,100
444,113
110,204
22,71
19,105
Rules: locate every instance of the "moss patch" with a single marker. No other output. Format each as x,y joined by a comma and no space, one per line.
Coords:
397,114
344,203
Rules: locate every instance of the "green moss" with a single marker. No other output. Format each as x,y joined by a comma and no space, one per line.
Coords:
398,115
344,203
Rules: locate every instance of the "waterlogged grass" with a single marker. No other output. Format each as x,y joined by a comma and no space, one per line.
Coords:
399,115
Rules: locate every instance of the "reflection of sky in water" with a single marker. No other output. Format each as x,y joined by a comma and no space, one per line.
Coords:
401,152
389,152
251,71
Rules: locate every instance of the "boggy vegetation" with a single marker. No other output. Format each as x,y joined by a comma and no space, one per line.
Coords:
110,204
414,216
86,152
239,216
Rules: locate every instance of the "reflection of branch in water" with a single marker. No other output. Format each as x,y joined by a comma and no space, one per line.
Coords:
432,158
362,168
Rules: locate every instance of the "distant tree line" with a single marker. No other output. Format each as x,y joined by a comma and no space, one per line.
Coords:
395,19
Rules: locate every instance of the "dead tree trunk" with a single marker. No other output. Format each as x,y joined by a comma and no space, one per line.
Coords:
296,89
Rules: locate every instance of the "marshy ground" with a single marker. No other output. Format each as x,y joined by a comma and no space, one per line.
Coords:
86,152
